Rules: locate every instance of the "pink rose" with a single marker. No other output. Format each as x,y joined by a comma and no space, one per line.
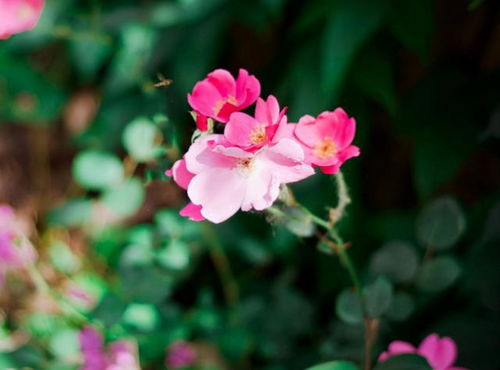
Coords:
19,15
327,139
219,95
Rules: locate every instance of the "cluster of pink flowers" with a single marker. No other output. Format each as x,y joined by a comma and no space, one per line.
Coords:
440,353
120,355
180,354
243,166
19,15
16,251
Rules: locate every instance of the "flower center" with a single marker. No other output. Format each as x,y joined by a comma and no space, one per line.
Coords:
258,135
229,99
325,148
245,166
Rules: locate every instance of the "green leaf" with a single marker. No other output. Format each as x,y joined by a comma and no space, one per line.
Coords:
397,260
176,255
402,306
373,73
65,344
140,137
438,274
144,317
412,23
440,224
351,24
404,362
348,307
89,55
25,94
126,199
97,170
298,221
74,212
63,258
137,255
378,297
334,365
129,65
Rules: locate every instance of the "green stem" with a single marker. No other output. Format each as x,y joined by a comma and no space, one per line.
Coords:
341,250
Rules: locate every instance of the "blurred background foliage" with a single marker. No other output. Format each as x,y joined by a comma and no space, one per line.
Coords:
86,136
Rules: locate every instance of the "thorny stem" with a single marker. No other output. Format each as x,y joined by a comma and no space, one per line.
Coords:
344,199
340,248
222,265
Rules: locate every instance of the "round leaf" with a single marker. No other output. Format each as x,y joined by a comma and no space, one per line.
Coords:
141,316
438,274
139,139
349,308
97,170
175,256
378,297
64,344
402,307
440,224
334,365
396,260
126,199
404,362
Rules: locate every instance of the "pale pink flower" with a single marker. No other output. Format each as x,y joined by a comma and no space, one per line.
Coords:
440,353
121,355
180,354
327,139
219,95
251,133
18,15
228,178
16,250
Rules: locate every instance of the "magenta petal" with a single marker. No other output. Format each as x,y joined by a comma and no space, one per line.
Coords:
223,81
181,174
398,347
441,353
192,211
247,89
239,128
307,131
205,98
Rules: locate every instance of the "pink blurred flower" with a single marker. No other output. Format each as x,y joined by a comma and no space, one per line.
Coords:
252,133
80,296
16,250
19,15
121,355
219,95
226,178
180,354
440,353
327,139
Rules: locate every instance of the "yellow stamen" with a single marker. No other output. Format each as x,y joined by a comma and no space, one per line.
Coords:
325,148
258,135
